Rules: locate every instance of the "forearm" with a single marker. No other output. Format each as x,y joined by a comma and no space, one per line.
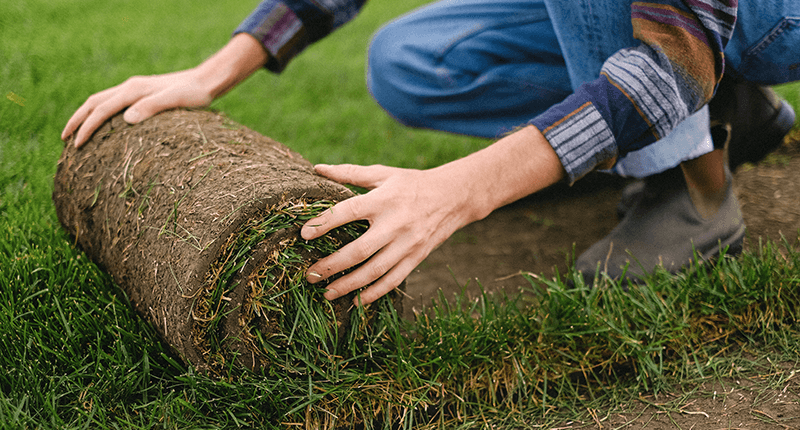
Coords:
516,166
285,28
231,65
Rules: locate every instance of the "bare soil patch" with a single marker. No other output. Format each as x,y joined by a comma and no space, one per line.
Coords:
538,234
544,232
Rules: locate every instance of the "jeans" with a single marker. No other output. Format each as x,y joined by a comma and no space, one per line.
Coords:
486,67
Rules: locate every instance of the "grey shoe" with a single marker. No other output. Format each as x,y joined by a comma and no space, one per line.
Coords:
747,119
663,228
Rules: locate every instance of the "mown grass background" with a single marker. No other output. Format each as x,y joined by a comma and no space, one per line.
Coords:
74,355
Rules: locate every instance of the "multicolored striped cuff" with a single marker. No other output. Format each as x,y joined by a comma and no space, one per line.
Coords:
582,140
278,29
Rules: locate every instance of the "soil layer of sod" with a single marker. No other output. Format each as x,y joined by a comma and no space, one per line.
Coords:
197,219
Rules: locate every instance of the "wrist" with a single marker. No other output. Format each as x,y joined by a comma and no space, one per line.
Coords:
237,60
526,163
515,166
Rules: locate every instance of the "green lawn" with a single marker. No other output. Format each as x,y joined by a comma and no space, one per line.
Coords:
74,355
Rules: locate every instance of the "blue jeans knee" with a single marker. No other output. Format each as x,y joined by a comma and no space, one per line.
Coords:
468,66
384,73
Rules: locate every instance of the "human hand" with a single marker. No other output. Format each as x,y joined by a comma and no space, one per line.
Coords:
144,96
410,212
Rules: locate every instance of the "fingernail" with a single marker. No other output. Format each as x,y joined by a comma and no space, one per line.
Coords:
132,115
313,277
331,295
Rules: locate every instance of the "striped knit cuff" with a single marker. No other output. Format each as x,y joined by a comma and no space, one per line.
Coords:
278,29
582,140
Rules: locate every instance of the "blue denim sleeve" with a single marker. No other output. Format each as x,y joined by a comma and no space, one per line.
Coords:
643,92
286,27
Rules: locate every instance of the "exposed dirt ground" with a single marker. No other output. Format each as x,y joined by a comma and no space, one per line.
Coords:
537,235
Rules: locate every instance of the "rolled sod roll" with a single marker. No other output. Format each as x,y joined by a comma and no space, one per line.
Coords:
197,219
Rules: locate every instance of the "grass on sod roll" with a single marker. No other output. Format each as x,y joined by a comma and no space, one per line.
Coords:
73,354
293,314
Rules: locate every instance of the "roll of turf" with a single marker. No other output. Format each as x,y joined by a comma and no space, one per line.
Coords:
197,219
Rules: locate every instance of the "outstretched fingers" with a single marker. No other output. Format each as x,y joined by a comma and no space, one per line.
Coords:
368,177
387,282
144,96
353,209
382,273
84,111
367,247
350,255
340,214
405,219
100,107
